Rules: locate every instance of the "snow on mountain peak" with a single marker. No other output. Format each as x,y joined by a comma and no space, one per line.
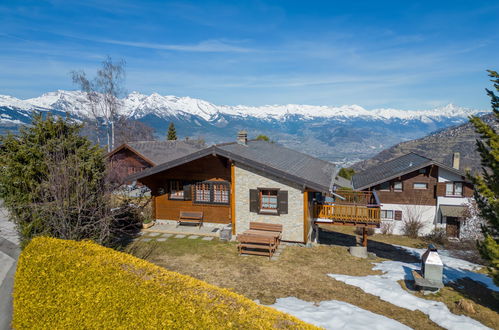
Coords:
138,105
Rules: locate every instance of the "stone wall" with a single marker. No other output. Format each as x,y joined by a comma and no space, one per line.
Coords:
247,178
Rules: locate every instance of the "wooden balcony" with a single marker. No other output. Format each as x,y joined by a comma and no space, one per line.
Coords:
347,214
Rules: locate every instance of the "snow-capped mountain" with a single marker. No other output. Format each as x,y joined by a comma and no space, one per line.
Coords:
341,133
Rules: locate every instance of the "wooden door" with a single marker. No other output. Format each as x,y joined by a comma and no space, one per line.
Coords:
452,227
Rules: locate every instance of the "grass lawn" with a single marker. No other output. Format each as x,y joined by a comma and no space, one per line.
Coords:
299,272
389,239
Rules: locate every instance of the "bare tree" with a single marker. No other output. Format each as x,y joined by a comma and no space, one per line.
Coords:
75,204
128,130
103,95
414,217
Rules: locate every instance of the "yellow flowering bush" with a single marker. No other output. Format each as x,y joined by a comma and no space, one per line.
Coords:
61,284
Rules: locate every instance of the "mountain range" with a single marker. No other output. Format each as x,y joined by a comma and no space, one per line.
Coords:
343,134
439,146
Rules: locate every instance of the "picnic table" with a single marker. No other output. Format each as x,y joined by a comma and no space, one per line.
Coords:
260,239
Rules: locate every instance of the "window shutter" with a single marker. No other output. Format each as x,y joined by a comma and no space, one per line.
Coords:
282,202
441,188
398,215
187,192
254,202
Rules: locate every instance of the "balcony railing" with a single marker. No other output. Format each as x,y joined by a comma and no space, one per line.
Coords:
347,213
357,197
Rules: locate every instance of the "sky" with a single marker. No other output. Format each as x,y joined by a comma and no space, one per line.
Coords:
390,54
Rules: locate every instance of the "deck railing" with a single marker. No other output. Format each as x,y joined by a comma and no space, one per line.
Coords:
356,197
347,213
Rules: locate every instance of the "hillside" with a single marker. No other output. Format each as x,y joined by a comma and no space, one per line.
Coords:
342,134
438,146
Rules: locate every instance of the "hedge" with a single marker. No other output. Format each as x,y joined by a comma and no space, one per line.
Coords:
61,284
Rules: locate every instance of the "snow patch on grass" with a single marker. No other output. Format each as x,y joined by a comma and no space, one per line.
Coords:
335,314
387,288
455,269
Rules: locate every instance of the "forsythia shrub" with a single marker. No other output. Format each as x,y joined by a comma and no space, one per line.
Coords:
62,284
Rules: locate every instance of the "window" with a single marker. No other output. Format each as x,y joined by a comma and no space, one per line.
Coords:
454,189
220,193
203,193
176,189
268,201
212,192
384,186
420,185
422,171
397,186
387,214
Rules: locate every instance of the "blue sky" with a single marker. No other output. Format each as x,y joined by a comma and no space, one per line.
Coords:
402,54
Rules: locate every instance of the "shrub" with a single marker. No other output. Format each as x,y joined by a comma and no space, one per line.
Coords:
411,227
437,236
387,227
62,284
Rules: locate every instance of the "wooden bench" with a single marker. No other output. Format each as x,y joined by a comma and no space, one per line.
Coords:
276,229
191,217
258,245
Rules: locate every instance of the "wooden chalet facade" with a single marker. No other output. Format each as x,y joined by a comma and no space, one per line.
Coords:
234,184
416,187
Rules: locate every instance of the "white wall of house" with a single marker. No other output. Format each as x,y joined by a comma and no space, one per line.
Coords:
447,176
426,213
247,178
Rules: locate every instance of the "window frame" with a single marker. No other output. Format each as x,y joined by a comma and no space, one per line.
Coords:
422,183
386,212
401,186
454,183
271,211
211,194
384,189
179,190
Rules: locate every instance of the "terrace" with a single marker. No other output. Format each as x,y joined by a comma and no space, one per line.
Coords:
351,208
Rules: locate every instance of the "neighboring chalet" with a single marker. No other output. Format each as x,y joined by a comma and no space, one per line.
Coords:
132,157
416,187
233,184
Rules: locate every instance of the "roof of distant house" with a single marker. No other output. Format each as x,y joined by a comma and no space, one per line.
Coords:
394,168
271,158
159,152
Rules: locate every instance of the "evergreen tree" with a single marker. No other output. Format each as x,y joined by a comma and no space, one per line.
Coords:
487,184
51,181
346,172
262,137
172,133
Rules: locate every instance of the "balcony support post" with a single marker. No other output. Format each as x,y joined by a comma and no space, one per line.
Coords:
364,236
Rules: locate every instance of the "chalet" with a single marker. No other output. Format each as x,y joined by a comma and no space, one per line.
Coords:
133,157
233,184
418,188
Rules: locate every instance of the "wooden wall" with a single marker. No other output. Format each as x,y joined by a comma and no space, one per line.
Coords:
124,163
409,195
210,168
170,210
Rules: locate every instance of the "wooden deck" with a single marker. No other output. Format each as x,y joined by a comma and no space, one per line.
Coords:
355,215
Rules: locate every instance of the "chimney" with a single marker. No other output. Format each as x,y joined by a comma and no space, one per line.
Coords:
242,137
455,160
